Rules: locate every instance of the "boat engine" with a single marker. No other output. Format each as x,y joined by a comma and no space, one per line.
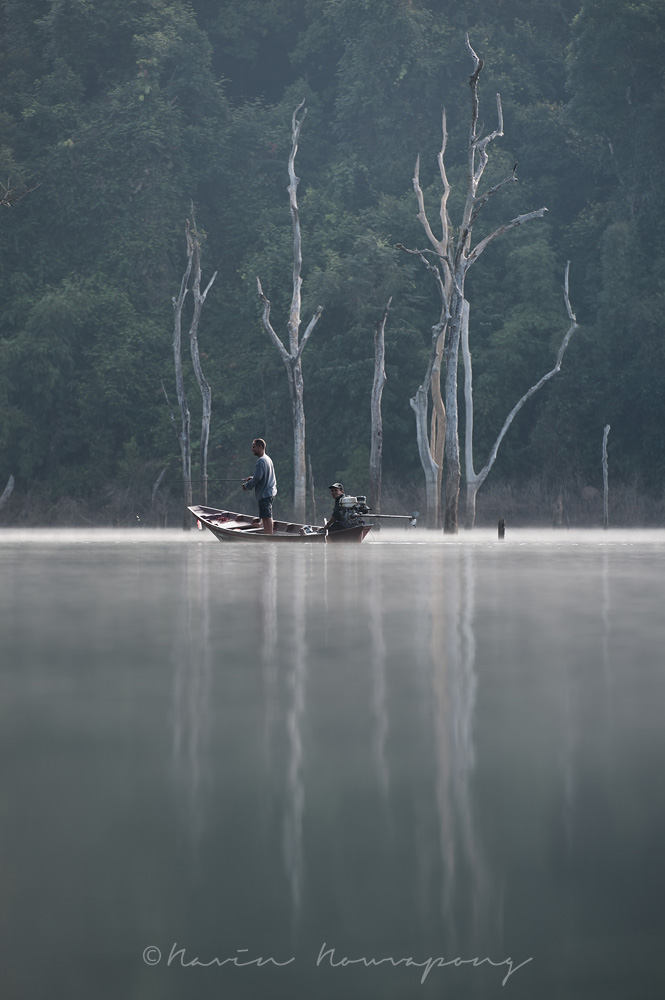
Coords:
354,508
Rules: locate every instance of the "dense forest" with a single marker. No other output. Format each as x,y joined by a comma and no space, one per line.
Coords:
118,116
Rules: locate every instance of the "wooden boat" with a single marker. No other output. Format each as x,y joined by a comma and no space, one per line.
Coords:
227,525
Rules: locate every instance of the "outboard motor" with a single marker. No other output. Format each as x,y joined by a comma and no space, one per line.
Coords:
354,509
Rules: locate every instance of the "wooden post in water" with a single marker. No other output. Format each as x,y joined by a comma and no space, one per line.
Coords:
312,495
502,527
606,509
557,520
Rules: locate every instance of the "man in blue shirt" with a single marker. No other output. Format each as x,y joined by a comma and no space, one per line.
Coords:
264,484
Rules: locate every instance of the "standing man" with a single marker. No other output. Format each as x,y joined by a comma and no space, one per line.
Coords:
263,483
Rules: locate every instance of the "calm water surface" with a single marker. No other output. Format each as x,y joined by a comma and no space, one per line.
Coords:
293,756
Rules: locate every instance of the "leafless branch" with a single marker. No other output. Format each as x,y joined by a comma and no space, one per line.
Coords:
294,317
421,253
158,481
482,475
483,199
443,211
268,325
194,242
308,331
519,221
422,215
8,195
168,402
571,314
7,492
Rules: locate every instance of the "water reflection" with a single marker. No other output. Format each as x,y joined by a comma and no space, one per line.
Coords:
465,906
296,680
192,686
379,696
399,749
334,634
586,691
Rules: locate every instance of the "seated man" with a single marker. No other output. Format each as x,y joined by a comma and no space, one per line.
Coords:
339,518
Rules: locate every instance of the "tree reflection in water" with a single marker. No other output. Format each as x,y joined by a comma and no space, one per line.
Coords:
192,690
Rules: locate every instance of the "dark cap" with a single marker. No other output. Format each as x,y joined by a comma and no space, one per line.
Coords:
336,486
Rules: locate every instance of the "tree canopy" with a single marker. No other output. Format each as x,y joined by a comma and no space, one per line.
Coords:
116,115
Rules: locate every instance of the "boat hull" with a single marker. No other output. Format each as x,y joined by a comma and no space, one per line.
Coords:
229,526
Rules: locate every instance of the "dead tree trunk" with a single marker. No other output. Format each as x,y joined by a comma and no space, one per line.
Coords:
194,241
376,450
312,493
606,506
454,255
155,492
7,492
475,480
430,449
184,434
293,357
438,424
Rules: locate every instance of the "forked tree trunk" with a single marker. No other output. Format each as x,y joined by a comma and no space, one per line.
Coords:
184,434
194,252
454,255
293,357
431,449
430,468
193,239
376,450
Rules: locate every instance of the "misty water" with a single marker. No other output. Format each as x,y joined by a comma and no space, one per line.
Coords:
272,759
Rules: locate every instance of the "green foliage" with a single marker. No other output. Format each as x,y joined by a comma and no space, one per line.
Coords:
126,111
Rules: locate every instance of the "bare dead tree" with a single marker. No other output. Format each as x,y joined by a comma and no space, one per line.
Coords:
184,435
157,484
376,449
453,254
606,506
194,242
9,195
193,239
475,480
155,492
293,357
431,449
7,492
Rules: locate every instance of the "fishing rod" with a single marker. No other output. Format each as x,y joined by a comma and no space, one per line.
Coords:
210,479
